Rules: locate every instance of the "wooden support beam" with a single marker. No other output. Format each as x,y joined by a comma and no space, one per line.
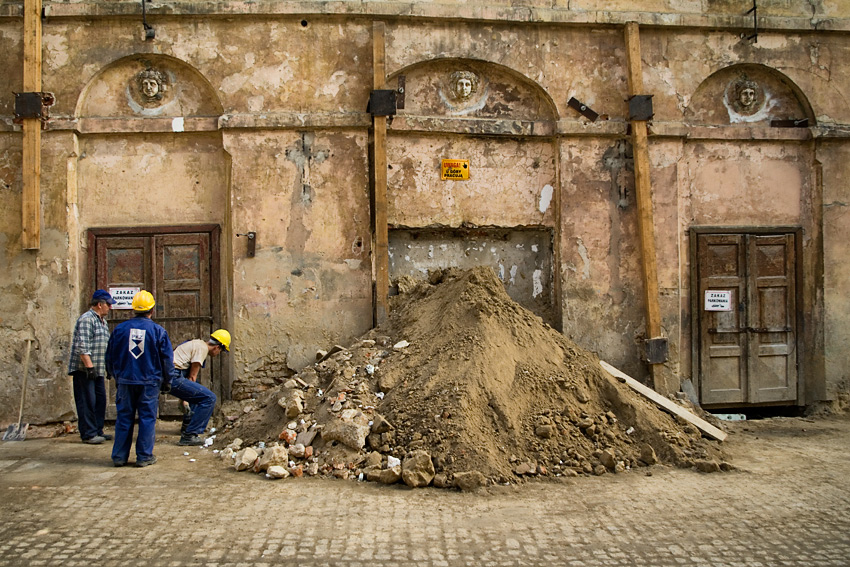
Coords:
31,166
380,235
643,189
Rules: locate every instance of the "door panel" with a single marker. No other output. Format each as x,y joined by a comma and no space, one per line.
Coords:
721,267
748,355
772,318
123,261
182,271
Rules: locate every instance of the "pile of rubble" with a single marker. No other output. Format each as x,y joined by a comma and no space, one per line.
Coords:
463,388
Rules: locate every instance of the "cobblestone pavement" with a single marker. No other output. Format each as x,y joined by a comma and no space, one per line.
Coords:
789,504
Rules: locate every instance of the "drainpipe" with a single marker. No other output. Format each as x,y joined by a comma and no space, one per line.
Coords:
639,113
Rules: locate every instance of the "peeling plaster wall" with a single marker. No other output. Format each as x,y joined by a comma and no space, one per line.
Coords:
510,182
746,185
36,288
836,285
601,299
182,176
306,196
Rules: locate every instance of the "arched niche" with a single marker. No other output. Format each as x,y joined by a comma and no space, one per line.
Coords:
466,88
748,94
148,86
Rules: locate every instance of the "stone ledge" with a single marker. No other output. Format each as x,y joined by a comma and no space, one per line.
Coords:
416,10
435,125
288,120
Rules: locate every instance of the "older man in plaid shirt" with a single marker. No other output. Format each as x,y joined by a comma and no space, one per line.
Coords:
88,368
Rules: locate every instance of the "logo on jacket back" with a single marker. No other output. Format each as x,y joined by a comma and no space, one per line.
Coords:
137,342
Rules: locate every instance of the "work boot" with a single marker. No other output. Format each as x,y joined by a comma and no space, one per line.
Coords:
187,418
96,440
190,440
146,462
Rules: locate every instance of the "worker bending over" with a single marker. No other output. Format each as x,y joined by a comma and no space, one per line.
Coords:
189,358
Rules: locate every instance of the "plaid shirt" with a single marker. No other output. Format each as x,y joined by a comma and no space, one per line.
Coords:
90,337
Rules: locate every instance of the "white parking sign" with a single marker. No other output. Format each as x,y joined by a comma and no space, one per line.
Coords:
123,296
718,300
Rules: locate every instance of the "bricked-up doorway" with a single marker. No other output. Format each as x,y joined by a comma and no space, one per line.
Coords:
180,266
747,351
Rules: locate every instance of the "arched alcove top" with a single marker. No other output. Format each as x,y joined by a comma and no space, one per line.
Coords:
747,94
148,86
466,88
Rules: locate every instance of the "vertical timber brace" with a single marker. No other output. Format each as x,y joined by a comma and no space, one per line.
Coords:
31,166
380,236
640,144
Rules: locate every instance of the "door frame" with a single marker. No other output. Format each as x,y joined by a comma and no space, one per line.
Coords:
694,232
214,230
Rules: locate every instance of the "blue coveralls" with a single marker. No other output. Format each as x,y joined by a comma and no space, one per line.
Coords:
140,358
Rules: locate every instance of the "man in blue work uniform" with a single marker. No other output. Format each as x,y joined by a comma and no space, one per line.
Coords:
140,358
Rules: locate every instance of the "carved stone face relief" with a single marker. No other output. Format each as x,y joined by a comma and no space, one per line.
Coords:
152,84
745,96
463,85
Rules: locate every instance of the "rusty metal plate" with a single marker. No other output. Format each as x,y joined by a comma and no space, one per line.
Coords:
382,102
640,107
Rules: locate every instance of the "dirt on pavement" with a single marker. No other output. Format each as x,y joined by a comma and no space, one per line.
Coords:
473,381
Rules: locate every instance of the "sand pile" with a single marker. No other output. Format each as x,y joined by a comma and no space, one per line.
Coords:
462,387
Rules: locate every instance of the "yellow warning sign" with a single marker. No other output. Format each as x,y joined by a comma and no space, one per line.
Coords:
454,169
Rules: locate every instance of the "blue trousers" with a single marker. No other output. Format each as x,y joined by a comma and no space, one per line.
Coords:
90,399
201,400
132,400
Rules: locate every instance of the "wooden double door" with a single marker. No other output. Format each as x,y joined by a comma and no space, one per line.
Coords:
747,313
177,265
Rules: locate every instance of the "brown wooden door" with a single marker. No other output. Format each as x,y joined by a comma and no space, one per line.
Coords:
175,268
748,353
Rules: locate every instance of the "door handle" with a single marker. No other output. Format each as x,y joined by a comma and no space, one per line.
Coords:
766,330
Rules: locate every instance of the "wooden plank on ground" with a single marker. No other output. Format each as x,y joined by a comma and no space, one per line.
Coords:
668,405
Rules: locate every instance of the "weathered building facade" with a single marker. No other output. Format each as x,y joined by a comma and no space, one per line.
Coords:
229,164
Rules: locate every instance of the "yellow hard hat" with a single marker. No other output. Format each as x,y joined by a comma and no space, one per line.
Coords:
143,301
223,338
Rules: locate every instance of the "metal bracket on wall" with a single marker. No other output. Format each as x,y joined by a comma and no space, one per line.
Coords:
800,123
755,35
382,102
252,242
150,33
655,350
399,97
583,109
33,105
640,107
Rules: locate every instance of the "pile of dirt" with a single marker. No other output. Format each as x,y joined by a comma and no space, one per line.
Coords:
467,377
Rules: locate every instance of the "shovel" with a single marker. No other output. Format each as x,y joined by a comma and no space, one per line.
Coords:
19,432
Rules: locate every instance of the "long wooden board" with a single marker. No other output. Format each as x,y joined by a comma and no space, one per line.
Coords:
670,406
381,257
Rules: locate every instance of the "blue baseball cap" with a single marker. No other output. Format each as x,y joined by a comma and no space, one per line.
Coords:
102,295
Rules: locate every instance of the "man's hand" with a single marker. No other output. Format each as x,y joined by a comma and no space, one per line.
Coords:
90,373
165,387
